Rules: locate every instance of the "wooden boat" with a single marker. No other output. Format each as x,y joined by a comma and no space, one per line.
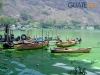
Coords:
21,41
28,46
71,50
66,43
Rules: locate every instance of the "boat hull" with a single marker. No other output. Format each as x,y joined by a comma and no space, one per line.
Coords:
66,44
71,50
31,46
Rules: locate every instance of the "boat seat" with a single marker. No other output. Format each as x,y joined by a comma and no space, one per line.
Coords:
81,48
66,48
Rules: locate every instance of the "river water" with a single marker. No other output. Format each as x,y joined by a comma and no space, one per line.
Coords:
43,62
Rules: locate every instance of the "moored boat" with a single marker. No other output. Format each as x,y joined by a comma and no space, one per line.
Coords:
71,50
28,46
66,43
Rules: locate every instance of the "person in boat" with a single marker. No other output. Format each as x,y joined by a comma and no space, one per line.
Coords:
18,38
79,40
58,39
45,38
50,38
35,40
20,42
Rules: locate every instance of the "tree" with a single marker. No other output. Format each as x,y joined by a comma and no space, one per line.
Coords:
31,24
58,25
76,24
6,20
1,4
36,24
45,12
64,24
61,25
24,16
96,26
47,24
69,25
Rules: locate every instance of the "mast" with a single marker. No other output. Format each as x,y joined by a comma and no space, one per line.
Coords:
6,33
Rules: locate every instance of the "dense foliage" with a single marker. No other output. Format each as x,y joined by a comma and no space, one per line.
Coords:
24,16
60,25
6,20
45,18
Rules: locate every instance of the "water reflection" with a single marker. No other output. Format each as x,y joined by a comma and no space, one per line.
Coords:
29,72
66,54
23,70
17,63
4,69
62,65
40,62
12,62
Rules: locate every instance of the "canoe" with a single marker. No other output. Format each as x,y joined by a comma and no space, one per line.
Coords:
66,43
28,46
71,50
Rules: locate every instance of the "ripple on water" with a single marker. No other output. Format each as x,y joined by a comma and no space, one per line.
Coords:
96,68
21,65
25,71
17,69
61,65
29,72
7,72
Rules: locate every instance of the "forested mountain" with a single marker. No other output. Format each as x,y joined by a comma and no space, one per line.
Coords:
26,11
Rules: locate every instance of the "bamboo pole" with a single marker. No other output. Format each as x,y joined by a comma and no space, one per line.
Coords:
52,34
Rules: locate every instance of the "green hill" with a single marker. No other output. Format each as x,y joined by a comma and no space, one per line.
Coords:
56,10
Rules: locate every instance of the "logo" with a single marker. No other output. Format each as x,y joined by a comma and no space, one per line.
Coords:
83,4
